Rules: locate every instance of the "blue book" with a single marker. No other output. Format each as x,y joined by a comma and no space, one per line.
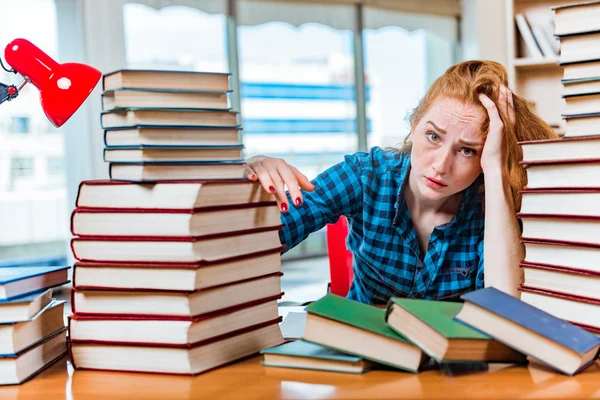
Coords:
23,308
19,281
529,330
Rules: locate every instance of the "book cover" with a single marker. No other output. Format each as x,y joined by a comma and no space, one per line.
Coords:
439,316
533,319
301,348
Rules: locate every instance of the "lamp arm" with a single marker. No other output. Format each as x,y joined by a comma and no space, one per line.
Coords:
9,92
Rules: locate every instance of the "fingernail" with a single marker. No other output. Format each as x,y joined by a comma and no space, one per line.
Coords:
284,207
251,176
272,189
298,201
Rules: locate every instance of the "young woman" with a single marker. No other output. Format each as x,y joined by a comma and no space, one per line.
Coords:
416,215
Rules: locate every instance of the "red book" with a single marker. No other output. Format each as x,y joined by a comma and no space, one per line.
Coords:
173,222
189,360
185,249
573,229
562,280
174,304
175,276
169,194
179,332
582,201
570,173
573,148
582,311
584,257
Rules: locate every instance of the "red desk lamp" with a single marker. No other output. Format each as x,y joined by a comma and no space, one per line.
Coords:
63,87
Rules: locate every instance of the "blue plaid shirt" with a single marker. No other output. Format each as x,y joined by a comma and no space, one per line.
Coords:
368,189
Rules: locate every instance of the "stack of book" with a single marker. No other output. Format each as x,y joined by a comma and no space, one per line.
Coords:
170,124
32,328
578,28
177,262
411,335
560,212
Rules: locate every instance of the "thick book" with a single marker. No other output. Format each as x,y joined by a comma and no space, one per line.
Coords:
149,172
585,257
563,174
165,79
170,194
176,276
130,117
555,342
190,360
175,98
582,311
566,280
584,126
561,201
175,332
175,249
570,229
172,304
576,87
575,18
23,308
430,325
580,148
157,154
20,281
171,137
580,47
305,355
581,70
16,336
173,222
582,103
359,329
29,362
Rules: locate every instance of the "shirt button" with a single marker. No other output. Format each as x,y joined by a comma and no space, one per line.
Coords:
419,266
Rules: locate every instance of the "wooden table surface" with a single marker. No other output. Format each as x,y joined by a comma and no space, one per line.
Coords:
249,380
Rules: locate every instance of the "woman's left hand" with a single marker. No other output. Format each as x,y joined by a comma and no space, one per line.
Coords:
492,156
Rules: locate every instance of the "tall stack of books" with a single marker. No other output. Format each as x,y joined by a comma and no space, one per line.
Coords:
32,327
178,255
560,209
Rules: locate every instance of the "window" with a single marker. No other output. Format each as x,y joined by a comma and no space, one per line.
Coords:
20,124
297,88
21,167
399,66
33,205
55,166
188,39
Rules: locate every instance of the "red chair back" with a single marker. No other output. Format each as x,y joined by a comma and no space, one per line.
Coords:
340,259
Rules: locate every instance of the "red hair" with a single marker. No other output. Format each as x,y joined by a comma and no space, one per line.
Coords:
463,82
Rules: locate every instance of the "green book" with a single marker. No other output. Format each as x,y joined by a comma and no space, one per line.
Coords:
359,329
306,355
430,325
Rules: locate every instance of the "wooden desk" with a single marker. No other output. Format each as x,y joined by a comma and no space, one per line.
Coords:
249,380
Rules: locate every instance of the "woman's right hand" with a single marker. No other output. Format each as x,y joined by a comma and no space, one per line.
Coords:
274,174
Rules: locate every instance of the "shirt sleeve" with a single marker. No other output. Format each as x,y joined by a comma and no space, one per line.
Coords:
338,192
480,279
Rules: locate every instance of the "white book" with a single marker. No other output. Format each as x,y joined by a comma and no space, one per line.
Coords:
531,47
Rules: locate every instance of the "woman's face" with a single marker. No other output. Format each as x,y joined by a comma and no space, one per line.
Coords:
446,148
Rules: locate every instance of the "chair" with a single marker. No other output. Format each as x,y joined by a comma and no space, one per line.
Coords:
340,259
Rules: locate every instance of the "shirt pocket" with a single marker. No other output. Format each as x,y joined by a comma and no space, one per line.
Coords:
454,279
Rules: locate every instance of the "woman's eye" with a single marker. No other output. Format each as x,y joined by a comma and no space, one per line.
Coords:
468,151
433,136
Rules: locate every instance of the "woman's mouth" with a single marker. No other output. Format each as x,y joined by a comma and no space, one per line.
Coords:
434,183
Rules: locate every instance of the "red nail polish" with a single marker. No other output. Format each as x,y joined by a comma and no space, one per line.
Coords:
284,207
271,189
298,201
251,176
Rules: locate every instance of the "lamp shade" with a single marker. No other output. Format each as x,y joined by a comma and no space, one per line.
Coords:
63,87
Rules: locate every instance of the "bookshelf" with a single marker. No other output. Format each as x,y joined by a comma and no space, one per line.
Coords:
537,79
